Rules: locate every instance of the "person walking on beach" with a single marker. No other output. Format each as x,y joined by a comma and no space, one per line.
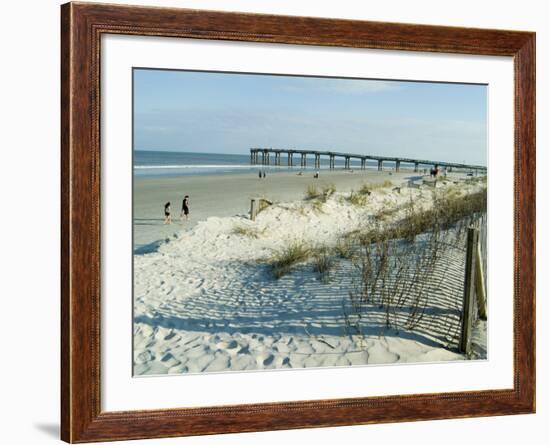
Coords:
264,174
167,217
260,174
185,208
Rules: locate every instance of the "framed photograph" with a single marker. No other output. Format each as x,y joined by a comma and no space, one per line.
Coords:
274,222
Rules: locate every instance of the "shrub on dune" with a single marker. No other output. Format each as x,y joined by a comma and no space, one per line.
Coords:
323,263
282,261
312,192
250,232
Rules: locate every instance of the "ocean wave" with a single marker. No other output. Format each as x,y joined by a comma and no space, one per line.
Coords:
143,167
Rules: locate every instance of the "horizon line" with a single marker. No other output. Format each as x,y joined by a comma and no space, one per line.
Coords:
422,161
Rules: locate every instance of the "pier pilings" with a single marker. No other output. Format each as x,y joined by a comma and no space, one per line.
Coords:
255,154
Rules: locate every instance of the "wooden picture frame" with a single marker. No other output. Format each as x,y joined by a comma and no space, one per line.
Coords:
82,25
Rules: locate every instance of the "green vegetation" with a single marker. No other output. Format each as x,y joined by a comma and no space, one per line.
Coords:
367,188
323,263
317,206
263,204
312,192
360,197
385,214
357,199
448,209
344,248
398,275
281,262
327,191
251,232
451,209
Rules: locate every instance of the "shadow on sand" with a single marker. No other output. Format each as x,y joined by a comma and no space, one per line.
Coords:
258,304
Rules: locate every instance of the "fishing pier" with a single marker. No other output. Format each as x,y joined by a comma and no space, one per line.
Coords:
272,156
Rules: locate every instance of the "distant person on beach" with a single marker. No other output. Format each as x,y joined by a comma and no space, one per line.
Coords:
185,208
260,174
264,174
167,217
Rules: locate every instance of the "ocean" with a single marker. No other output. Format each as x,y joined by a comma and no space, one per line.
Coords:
169,163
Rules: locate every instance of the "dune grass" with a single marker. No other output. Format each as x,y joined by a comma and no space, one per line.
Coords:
328,190
344,248
368,187
317,206
323,263
396,271
360,197
357,199
250,232
282,261
386,213
313,192
448,209
263,204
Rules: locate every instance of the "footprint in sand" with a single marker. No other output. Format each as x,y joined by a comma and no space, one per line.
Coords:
169,360
268,360
227,346
220,363
170,336
199,284
244,350
144,357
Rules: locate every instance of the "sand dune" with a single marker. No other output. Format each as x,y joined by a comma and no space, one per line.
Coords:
228,195
206,301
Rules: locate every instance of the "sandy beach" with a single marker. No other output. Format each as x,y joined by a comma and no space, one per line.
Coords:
205,299
229,195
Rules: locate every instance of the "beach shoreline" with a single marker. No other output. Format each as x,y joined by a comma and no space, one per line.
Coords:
229,195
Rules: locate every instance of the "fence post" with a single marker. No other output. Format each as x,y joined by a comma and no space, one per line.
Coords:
253,209
469,289
480,285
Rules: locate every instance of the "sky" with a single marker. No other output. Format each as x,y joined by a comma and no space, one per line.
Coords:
228,113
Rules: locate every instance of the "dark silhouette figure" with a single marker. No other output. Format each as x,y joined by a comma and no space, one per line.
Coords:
185,208
167,217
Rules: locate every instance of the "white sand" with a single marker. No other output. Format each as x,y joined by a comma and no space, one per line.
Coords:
206,302
228,195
